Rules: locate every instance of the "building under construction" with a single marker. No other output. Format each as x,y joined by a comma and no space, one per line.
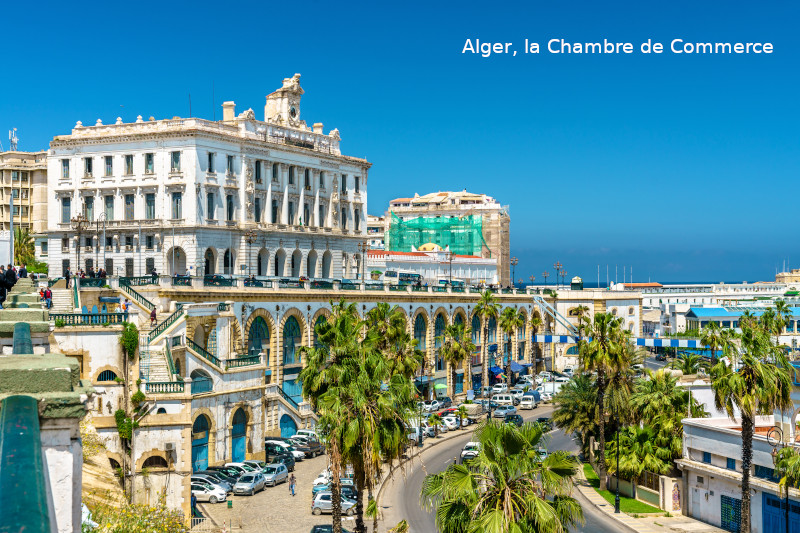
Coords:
467,223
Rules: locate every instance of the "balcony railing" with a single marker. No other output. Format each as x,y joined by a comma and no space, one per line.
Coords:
89,319
244,360
288,398
91,282
213,281
202,352
166,387
180,281
166,323
138,281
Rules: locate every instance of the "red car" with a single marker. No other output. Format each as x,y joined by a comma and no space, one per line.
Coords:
449,411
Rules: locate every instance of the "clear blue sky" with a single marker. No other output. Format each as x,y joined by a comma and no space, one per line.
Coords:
684,167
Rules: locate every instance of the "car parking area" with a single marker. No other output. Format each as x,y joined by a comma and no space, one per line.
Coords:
274,509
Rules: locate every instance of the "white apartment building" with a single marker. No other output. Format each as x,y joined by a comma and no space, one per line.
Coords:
375,232
434,265
199,197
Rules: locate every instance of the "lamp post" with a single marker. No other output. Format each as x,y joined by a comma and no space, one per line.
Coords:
564,278
362,247
557,267
103,243
514,262
616,497
775,439
545,275
250,236
79,225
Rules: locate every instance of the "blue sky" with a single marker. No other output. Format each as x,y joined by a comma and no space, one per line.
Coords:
682,166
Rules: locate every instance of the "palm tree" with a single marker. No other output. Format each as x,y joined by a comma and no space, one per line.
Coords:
761,385
575,408
456,347
461,411
436,420
486,308
711,336
23,246
536,323
787,465
510,320
505,488
601,355
689,364
637,453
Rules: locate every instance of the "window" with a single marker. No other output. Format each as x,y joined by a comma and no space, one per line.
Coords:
700,480
210,206
87,166
765,473
109,165
155,461
357,183
274,171
291,212
344,182
357,219
258,209
64,244
321,180
88,207
65,168
14,175
129,242
149,264
230,165
44,247
15,193
150,206
274,211
66,207
305,215
707,457
258,171
344,219
731,463
107,375
177,200
307,179
321,214
148,163
229,207
129,203
109,207
291,175
109,243
211,162
175,162
129,165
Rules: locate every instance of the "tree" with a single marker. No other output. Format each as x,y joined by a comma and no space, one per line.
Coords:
486,308
576,407
129,342
711,336
600,355
456,348
510,320
24,247
638,453
536,323
436,420
761,385
787,465
507,487
689,364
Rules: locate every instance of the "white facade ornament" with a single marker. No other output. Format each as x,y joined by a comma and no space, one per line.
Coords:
98,123
139,119
119,120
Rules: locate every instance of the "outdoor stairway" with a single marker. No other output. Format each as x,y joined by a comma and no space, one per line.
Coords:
62,301
159,369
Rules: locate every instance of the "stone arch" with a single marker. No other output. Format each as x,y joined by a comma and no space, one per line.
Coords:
105,368
248,414
327,262
210,261
297,262
178,264
201,381
262,262
197,439
155,452
419,327
264,315
322,312
311,264
280,263
460,312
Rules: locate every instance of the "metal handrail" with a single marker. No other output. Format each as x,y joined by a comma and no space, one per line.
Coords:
170,362
237,362
288,398
147,304
138,280
89,319
23,476
166,323
76,299
202,352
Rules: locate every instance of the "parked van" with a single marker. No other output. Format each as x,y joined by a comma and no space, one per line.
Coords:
527,402
503,399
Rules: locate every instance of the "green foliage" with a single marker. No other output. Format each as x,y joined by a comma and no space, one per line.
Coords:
137,398
60,323
125,425
119,380
638,453
24,248
626,505
129,339
119,517
37,267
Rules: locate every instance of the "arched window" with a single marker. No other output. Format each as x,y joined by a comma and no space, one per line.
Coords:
275,171
201,382
107,375
476,329
161,411
438,331
630,311
521,330
321,319
258,337
419,331
228,262
155,461
291,339
491,336
458,319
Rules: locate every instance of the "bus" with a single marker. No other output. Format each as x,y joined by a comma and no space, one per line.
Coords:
454,282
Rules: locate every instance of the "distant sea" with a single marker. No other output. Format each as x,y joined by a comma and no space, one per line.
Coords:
603,285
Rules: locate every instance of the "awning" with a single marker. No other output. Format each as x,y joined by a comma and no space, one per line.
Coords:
440,386
527,365
496,370
515,367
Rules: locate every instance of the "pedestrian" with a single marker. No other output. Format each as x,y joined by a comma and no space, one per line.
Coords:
23,272
127,306
66,276
11,277
48,297
152,317
292,483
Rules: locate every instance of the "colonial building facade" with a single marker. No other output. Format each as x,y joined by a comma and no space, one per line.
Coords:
194,196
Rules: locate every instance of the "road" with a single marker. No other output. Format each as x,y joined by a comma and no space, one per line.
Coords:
401,499
651,363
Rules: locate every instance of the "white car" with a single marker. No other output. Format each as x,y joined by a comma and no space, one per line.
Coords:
451,422
516,392
205,492
546,396
432,405
470,451
308,433
500,387
527,402
568,370
560,379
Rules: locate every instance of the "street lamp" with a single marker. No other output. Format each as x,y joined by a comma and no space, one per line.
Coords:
557,267
774,439
362,247
79,224
564,278
545,275
250,236
514,262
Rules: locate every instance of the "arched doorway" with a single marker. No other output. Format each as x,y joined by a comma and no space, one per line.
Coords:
288,427
327,258
262,262
227,263
201,382
476,329
176,261
210,263
458,319
297,259
292,338
311,264
200,431
239,436
438,332
280,262
258,337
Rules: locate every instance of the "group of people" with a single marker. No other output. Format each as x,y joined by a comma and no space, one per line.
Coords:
8,278
68,274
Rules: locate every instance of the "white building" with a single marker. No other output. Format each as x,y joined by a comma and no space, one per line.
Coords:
375,232
244,196
435,264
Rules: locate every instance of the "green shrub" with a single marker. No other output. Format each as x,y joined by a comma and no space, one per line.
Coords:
60,323
137,398
129,339
125,425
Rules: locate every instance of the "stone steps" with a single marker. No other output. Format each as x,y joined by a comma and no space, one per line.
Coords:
62,301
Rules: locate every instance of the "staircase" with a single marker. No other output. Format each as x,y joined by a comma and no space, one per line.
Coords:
159,371
62,301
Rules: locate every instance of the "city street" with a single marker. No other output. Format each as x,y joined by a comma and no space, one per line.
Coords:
401,495
651,364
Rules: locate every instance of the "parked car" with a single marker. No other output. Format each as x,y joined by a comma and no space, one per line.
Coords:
274,474
500,387
284,459
527,402
256,464
310,447
247,468
287,448
308,433
504,410
486,392
546,396
513,419
222,475
516,392
431,406
323,503
470,450
546,422
451,422
503,399
250,484
213,480
569,370
344,482
445,401
327,528
208,493
233,473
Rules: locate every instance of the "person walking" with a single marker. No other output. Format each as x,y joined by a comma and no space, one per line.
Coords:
152,317
48,297
23,272
11,277
292,483
67,276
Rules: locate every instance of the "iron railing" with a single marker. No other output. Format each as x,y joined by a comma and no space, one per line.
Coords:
162,327
138,281
90,319
164,387
288,398
349,286
397,288
181,281
202,352
170,362
76,299
144,302
240,361
91,282
219,282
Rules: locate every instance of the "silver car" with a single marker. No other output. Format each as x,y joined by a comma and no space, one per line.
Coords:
250,484
323,503
275,473
213,480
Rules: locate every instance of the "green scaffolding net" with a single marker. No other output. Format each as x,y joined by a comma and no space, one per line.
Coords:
464,235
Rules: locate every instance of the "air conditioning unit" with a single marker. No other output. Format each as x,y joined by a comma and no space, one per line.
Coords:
169,447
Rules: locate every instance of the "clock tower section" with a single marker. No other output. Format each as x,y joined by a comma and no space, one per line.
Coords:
283,105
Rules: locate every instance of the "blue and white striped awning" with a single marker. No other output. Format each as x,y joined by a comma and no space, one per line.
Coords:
670,343
563,339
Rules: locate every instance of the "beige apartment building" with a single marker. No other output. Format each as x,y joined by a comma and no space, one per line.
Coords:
24,175
463,222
